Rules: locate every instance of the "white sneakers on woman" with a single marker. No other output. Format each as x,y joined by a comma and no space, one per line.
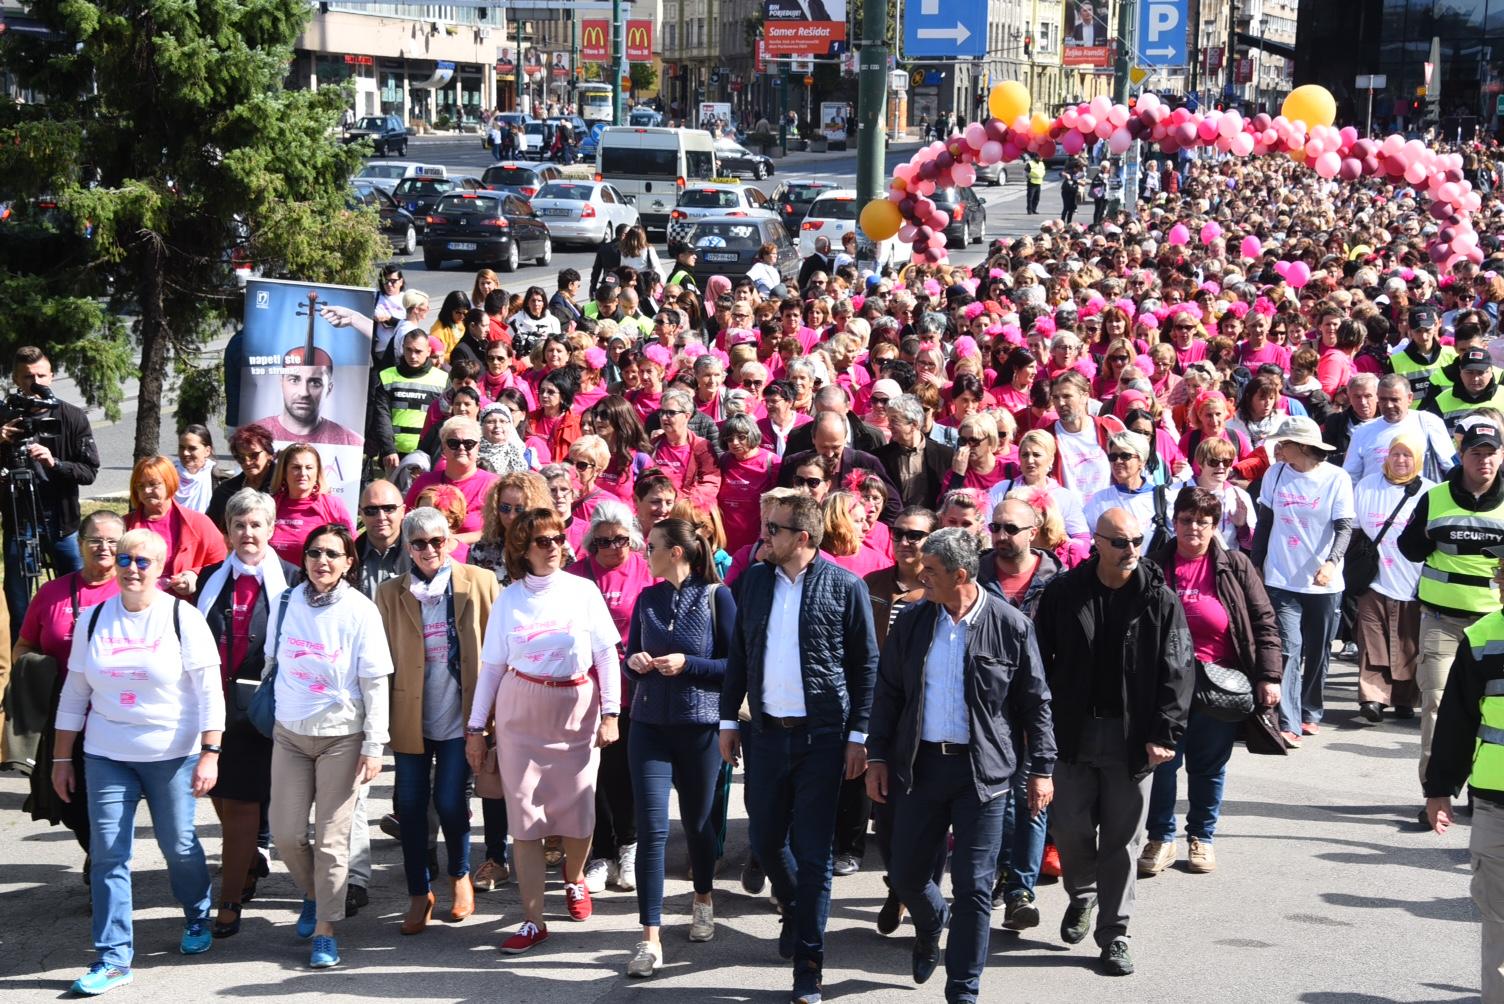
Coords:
702,922
646,960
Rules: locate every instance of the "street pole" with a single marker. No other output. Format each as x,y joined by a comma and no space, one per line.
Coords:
783,109
618,49
872,91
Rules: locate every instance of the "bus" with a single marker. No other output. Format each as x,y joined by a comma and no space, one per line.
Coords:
595,102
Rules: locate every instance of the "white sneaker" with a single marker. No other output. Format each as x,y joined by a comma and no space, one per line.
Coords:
626,868
702,922
595,875
646,960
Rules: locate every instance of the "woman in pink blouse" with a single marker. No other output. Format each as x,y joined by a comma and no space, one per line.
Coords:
747,470
846,535
302,501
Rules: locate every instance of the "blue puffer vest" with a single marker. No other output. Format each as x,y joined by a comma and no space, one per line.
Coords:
667,621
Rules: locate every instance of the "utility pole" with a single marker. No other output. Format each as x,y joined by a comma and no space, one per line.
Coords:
872,92
1232,38
1125,51
618,62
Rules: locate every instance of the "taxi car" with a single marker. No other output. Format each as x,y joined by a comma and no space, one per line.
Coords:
717,197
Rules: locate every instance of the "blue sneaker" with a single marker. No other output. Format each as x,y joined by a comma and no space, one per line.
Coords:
308,919
100,978
325,953
196,937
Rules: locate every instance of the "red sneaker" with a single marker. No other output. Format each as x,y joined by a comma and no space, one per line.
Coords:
528,935
578,898
1310,729
1049,865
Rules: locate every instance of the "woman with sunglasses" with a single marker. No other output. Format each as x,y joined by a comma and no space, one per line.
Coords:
332,705
499,376
815,476
615,421
550,673
588,456
388,313
1118,357
683,455
679,634
976,464
252,447
1187,335
459,440
303,502
434,616
1214,465
613,561
1132,489
143,672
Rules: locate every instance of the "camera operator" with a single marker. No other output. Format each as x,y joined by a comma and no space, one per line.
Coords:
51,441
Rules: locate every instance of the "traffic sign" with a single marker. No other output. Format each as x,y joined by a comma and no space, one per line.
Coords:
1161,32
1138,74
898,81
944,29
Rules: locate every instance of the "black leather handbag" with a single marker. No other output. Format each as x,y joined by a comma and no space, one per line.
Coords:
1222,693
1360,565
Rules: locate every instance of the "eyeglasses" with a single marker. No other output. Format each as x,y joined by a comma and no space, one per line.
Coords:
1123,458
103,543
140,561
879,402
910,536
318,553
550,541
810,483
670,412
1122,543
660,320
584,465
972,441
1008,528
372,511
1185,327
1193,522
1217,463
427,544
621,540
248,456
462,445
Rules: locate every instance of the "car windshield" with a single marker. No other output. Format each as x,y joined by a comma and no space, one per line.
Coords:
463,205
423,186
732,236
533,128
731,149
833,209
568,191
804,193
626,162
509,176
374,122
383,171
709,198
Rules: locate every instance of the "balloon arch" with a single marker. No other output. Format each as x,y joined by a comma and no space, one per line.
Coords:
1303,130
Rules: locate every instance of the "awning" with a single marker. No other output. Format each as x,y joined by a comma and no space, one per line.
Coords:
443,72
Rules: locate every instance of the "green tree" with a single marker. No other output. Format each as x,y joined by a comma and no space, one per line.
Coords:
165,136
644,78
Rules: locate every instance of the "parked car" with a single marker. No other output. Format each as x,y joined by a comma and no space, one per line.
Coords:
993,174
484,228
585,211
419,195
793,197
396,223
831,215
734,158
385,174
386,132
722,197
519,177
644,117
968,216
591,140
728,246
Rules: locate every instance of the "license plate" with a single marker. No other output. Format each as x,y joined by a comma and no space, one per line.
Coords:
461,246
554,212
719,256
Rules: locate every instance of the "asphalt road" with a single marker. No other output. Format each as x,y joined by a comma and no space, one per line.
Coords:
1326,892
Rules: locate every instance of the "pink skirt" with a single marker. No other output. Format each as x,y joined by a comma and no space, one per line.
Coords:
545,748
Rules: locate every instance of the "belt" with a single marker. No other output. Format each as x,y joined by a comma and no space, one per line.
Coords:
773,722
945,749
550,681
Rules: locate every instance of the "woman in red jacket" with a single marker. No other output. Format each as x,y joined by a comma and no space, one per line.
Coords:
192,539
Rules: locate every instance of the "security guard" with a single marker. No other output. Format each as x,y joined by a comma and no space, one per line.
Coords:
1470,748
1424,354
1453,526
402,398
1036,180
682,274
1476,387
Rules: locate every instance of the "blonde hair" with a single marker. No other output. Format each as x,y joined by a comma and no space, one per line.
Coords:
984,424
707,522
593,449
1039,438
1051,533
841,537
150,543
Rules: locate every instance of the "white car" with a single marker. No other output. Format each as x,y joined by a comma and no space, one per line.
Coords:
832,215
384,174
585,211
722,197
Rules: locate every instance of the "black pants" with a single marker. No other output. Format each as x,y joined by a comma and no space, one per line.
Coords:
853,809
615,809
1031,198
1099,210
1068,209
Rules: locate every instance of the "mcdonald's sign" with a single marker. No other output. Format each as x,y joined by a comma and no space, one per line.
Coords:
595,40
640,39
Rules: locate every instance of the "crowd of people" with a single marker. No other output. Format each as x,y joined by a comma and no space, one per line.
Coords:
983,556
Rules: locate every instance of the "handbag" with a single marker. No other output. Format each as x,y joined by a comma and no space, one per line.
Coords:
1360,566
262,708
1222,693
1261,734
488,778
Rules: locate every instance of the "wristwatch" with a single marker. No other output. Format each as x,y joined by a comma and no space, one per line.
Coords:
209,748
475,730
611,714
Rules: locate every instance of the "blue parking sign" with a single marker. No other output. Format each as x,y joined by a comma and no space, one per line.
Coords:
1162,32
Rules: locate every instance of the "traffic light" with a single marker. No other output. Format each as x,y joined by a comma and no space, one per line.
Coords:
1029,45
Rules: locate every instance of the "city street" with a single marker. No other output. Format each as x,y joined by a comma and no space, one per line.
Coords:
1326,892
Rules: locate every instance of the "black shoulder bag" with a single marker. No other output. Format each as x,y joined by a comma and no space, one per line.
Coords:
1360,566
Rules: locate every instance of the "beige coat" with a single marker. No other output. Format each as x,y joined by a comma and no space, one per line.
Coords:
475,590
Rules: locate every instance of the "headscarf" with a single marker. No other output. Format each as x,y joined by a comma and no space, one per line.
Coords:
714,287
1411,442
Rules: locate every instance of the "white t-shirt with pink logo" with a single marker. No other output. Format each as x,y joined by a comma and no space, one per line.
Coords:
1304,507
323,653
145,693
1083,463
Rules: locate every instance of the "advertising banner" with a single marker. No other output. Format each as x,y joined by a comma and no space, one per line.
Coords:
595,40
803,27
305,379
712,112
1088,41
640,40
833,116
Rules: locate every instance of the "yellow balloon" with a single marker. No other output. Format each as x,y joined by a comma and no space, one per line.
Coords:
1039,125
1008,101
881,219
1312,104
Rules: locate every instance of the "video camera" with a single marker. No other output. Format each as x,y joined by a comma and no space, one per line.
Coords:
37,415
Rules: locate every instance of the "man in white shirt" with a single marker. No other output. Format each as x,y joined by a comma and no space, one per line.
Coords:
804,657
1370,443
1080,462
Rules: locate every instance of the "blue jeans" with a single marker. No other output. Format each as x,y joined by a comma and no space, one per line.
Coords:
115,788
686,759
1307,625
944,797
65,558
793,781
1204,750
1022,847
411,794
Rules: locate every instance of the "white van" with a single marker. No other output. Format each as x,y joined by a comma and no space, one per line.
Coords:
652,166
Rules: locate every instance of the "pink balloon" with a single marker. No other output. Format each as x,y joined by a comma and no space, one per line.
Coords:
1447,192
1230,125
1328,164
964,175
1352,169
1349,135
1148,102
1119,141
906,233
1072,143
1086,123
1101,105
937,220
1299,274
1118,116
1185,134
1415,174
1251,247
976,135
1242,144
1393,144
1210,232
1206,131
992,152
1282,269
1178,235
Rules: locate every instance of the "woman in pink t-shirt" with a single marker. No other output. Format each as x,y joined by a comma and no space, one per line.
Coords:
747,470
976,464
615,420
302,501
846,535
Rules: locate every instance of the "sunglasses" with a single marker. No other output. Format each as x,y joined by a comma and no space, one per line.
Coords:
428,544
1117,359
462,445
549,541
391,279
372,511
317,553
810,483
140,561
1217,463
1122,457
621,540
583,466
879,402
1010,529
972,441
772,529
910,536
670,412
1185,327
506,508
1193,522
1123,543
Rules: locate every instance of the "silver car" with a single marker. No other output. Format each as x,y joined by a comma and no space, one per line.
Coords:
587,212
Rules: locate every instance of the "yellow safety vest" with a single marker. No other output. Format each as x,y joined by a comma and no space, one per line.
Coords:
1419,374
1453,407
1485,637
1036,172
410,397
1458,577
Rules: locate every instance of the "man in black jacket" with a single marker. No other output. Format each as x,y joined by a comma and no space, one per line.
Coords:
830,441
1120,663
1362,408
804,657
820,262
917,464
60,457
859,435
960,673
